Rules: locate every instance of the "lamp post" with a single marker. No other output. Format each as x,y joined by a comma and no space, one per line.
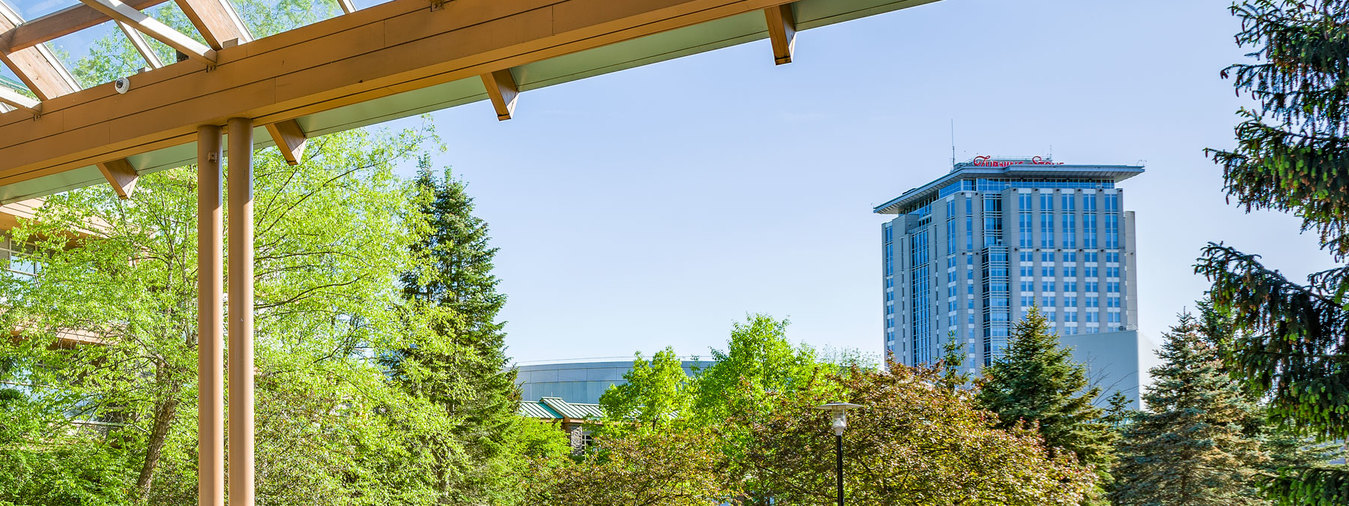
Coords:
839,410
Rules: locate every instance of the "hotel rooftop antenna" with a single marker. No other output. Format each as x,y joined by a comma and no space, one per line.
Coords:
953,144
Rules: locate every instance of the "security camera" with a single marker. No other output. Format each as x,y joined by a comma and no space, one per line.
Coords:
121,85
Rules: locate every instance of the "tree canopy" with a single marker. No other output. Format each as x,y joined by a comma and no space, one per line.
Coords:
1291,154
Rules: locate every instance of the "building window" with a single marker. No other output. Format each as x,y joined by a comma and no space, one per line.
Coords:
1093,301
1047,286
1070,271
1069,201
1069,231
1046,230
1090,271
1111,231
1048,301
1047,271
1024,225
1089,231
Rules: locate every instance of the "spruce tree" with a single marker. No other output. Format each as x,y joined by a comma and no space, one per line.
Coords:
462,366
1190,446
1292,154
1037,381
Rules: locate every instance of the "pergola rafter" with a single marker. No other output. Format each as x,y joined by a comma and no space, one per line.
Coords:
216,21
124,13
36,66
59,24
142,46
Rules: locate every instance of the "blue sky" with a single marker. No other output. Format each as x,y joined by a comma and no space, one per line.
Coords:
656,206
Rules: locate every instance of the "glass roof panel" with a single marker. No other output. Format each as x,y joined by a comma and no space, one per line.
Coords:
30,9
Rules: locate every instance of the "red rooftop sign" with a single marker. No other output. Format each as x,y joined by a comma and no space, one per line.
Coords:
988,161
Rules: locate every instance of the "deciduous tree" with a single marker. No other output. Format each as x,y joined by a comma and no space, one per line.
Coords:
912,442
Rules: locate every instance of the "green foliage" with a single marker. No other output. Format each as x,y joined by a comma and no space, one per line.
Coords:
912,442
460,363
1037,382
1292,154
652,393
675,466
44,460
758,361
1190,446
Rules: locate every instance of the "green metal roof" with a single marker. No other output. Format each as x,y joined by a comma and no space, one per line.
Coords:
556,408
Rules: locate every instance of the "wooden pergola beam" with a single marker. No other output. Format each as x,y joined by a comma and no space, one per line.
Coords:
374,53
36,66
119,11
141,45
58,24
121,175
781,32
501,89
347,6
216,20
289,138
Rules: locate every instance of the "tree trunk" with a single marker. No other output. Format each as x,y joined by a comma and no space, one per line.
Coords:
165,412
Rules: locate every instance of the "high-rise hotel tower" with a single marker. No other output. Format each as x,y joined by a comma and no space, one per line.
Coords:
967,255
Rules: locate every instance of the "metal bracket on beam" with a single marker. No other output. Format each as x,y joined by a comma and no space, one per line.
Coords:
502,90
782,32
121,175
290,139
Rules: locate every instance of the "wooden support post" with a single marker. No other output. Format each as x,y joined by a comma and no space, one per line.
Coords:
210,322
502,90
241,311
782,32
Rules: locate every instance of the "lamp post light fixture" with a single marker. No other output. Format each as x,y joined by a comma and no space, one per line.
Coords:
839,410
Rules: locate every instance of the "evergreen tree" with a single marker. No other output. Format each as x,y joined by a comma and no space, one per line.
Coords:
463,367
1036,381
1292,154
1190,445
